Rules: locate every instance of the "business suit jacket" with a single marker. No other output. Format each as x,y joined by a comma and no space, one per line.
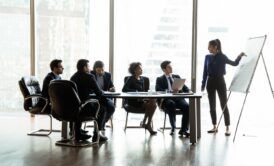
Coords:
86,85
107,80
49,77
131,84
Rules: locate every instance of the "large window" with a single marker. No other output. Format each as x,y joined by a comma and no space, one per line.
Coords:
14,54
151,32
233,22
62,31
146,31
99,31
70,30
217,20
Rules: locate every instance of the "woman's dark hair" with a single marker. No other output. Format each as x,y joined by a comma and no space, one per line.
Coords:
54,63
81,64
98,64
133,66
216,42
164,64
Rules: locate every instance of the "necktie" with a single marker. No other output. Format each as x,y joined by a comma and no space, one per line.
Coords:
170,81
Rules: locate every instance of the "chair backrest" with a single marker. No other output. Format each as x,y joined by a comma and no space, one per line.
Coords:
65,102
124,101
29,85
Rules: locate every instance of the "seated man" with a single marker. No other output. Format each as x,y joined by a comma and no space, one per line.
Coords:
105,83
164,83
86,85
56,69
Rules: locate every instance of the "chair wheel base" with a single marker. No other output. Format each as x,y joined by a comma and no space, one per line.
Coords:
42,132
74,143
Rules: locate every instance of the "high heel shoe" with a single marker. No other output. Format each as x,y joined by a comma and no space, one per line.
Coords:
142,124
149,128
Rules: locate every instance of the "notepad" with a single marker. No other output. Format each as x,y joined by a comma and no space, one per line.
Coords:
178,83
184,93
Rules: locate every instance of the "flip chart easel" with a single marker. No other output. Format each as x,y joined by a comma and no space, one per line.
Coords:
245,72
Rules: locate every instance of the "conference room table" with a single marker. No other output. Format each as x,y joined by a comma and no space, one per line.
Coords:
194,107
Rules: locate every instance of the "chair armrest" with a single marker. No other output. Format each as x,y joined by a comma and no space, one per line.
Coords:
124,103
94,101
39,97
32,96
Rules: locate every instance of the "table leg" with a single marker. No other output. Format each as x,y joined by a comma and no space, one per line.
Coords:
64,132
198,103
193,120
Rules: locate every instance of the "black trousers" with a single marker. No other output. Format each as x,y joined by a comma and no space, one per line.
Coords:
87,111
104,114
170,105
217,84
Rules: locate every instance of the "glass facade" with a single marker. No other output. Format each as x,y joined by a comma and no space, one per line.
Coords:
62,32
145,31
70,30
150,34
15,51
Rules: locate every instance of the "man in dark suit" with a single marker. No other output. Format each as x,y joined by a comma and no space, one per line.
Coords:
56,69
164,83
86,85
104,81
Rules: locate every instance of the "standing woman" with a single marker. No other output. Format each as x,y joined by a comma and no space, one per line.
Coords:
139,83
213,79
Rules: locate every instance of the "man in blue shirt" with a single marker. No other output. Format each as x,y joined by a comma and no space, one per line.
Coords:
104,81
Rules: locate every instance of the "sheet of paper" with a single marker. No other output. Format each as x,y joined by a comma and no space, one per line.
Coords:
178,83
111,93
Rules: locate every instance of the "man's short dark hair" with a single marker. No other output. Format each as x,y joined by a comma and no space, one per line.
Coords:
133,66
164,64
54,63
98,64
81,64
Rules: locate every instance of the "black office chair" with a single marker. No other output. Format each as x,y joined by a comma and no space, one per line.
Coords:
34,103
130,109
66,106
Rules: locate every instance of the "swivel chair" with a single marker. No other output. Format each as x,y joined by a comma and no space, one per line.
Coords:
67,107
